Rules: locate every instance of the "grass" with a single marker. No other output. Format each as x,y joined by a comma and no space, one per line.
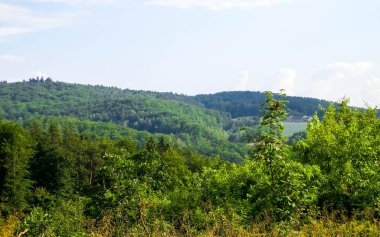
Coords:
320,228
293,127
328,225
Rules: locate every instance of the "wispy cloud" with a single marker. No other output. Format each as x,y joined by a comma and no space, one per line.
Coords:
15,20
218,4
79,2
7,31
11,58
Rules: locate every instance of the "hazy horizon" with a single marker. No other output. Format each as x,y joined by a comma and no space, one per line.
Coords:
321,49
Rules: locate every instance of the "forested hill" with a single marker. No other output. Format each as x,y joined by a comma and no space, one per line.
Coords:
203,122
181,119
247,103
153,112
69,96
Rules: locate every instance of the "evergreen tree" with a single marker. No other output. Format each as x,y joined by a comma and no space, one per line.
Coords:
15,153
52,165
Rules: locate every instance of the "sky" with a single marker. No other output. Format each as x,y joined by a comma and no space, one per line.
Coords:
326,49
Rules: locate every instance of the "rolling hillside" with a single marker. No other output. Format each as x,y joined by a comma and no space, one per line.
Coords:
209,124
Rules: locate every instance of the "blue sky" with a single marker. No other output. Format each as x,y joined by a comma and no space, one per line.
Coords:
315,48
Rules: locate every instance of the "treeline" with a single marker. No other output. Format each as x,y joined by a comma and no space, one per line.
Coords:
205,145
59,182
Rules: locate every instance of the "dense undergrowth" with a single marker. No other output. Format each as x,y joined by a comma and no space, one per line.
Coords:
60,182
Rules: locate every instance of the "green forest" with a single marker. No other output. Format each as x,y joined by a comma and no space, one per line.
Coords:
208,124
80,160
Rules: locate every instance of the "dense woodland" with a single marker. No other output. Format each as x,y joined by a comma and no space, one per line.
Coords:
208,124
76,174
247,103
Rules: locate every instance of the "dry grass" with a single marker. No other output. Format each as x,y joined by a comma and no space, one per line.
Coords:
9,226
328,226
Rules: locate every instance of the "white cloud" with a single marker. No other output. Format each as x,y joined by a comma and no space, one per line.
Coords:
276,80
11,58
284,78
358,81
371,89
15,20
218,4
242,84
355,80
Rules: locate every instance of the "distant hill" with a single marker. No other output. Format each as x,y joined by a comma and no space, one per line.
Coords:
247,103
209,124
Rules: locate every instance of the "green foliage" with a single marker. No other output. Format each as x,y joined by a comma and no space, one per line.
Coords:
269,145
293,139
284,186
64,219
37,222
15,153
346,145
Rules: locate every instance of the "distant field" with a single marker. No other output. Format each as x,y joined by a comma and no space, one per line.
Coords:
293,127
